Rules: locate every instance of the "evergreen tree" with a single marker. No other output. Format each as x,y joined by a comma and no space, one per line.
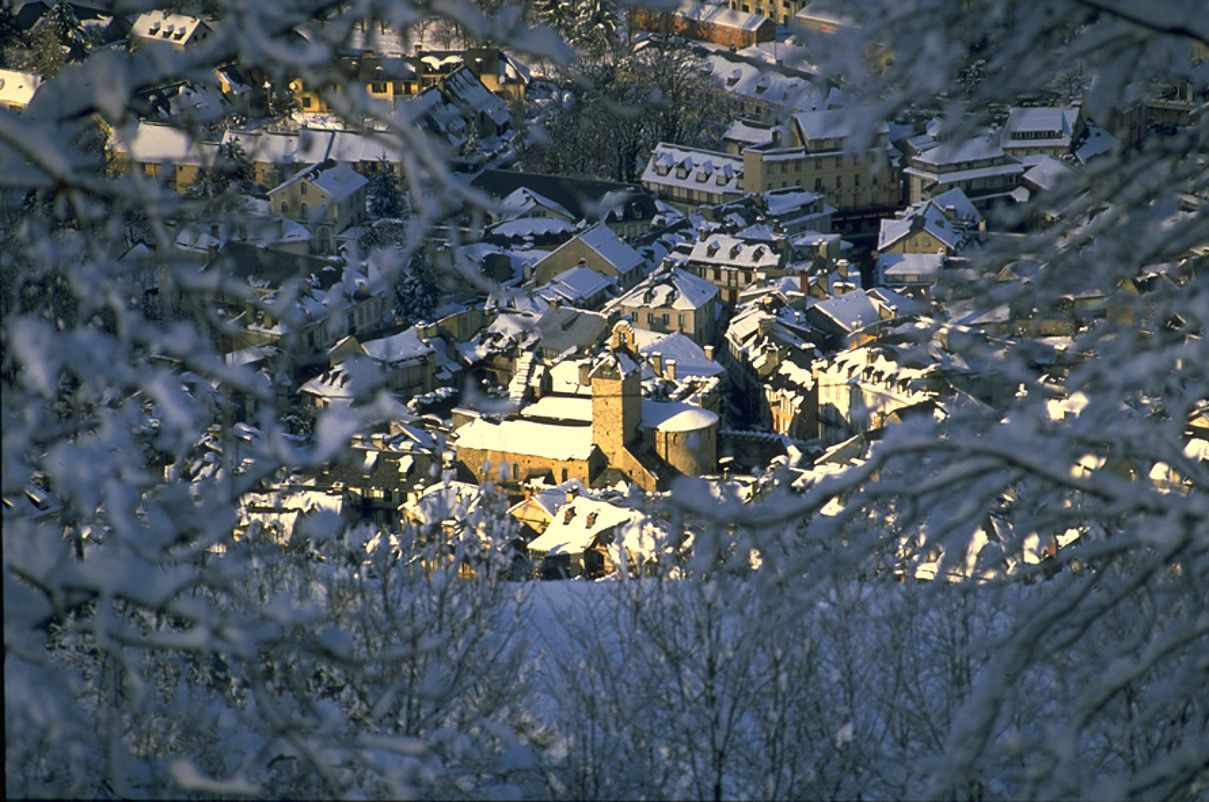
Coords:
385,195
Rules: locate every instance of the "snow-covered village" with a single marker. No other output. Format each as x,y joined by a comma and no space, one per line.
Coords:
605,399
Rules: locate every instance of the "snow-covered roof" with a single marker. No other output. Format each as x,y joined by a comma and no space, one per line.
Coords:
1096,143
575,285
559,408
849,312
17,88
689,356
521,227
753,78
675,416
745,133
975,149
522,202
1040,126
160,143
161,26
311,146
949,217
720,15
577,525
527,437
399,347
827,124
612,248
464,87
1044,172
899,268
335,179
670,287
694,169
723,249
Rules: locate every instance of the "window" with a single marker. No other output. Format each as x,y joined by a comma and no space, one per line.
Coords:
378,88
302,208
818,185
302,188
285,207
564,474
838,180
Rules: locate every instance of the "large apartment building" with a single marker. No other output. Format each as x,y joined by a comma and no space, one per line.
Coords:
822,156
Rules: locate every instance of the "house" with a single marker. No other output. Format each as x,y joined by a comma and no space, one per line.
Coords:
327,197
821,157
763,91
860,389
779,11
178,30
500,72
386,82
587,538
671,299
378,472
843,320
979,166
275,156
598,249
164,152
690,177
759,339
731,264
540,503
17,89
405,360
948,223
708,22
580,287
1043,130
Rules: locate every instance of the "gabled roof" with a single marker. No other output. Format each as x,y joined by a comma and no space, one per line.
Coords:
522,201
578,524
832,124
335,179
670,287
849,312
575,285
721,15
612,248
405,345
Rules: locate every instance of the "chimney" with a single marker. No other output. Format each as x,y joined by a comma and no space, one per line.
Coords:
657,363
841,265
709,352
585,373
669,369
528,492
702,235
570,495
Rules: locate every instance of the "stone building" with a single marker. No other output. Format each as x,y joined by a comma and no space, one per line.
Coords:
707,22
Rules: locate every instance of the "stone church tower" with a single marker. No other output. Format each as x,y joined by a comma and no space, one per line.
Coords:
617,395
